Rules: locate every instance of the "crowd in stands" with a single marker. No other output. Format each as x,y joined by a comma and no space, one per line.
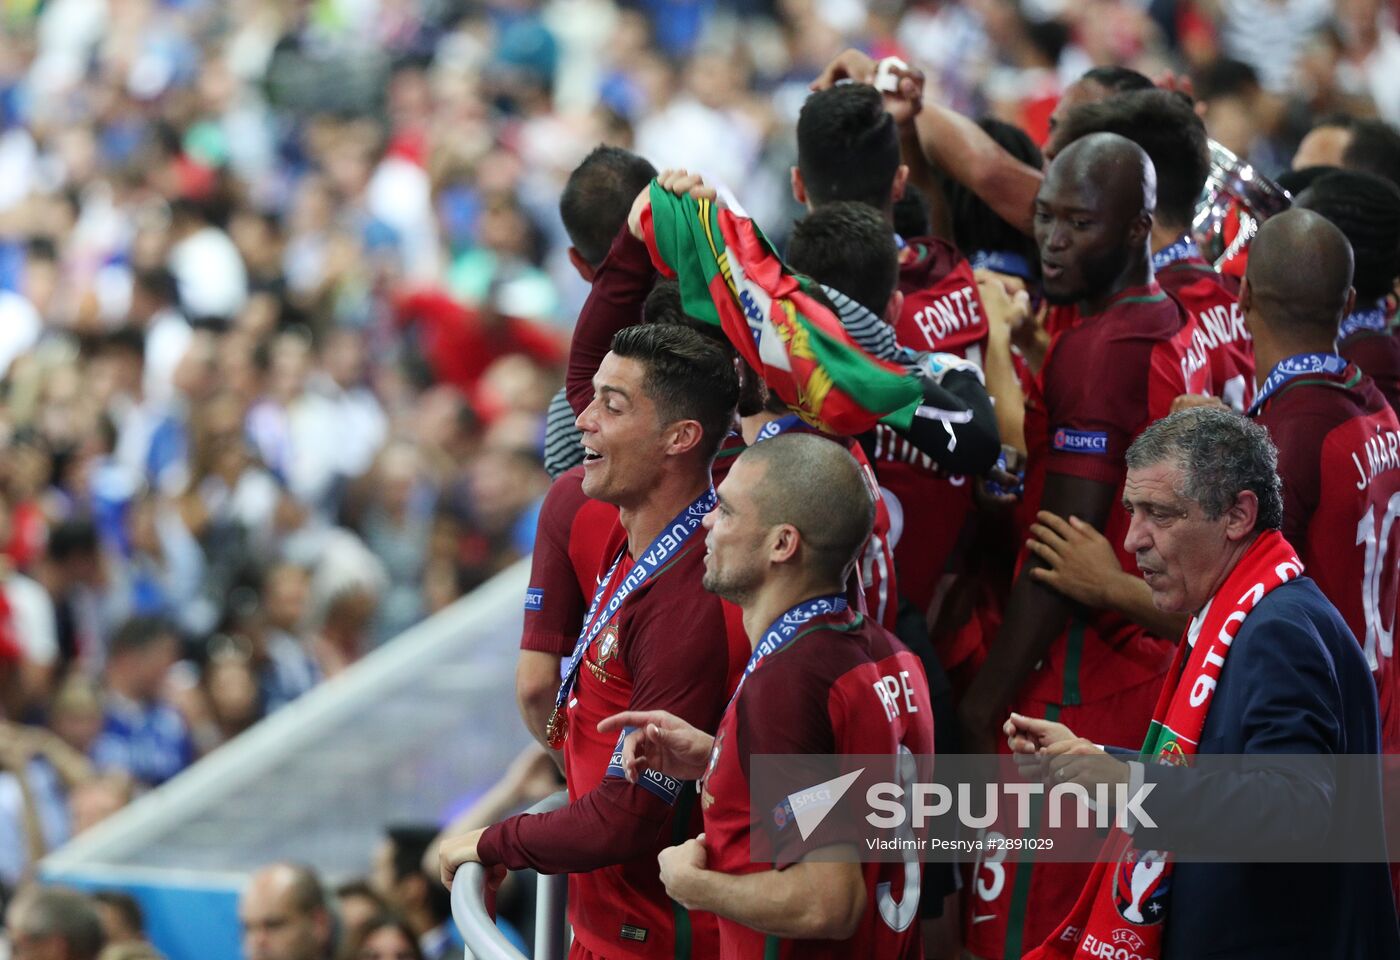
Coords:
286,302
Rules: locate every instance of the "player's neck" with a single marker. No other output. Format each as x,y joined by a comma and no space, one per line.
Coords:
777,596
672,493
1270,350
1137,273
749,426
1165,234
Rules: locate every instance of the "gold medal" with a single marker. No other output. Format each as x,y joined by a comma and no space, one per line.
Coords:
556,729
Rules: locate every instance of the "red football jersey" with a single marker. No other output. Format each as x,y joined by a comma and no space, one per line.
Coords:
1103,381
1220,332
942,312
1105,378
1339,456
569,542
825,693
672,646
1375,351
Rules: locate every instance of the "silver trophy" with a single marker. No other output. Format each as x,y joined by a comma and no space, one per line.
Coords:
1236,199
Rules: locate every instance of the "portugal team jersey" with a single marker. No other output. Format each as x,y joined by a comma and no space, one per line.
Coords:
671,646
1339,457
943,313
1219,332
1104,380
827,692
1367,339
569,544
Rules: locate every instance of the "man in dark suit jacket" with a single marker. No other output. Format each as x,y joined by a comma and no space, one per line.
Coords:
1202,486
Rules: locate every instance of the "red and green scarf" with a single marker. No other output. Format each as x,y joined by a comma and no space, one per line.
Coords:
1124,904
730,276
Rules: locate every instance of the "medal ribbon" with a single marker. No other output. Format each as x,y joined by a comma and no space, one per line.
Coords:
1291,368
772,428
1371,320
1183,249
667,544
1002,261
779,635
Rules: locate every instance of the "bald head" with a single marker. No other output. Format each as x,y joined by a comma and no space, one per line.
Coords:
1298,281
1093,219
1111,164
815,485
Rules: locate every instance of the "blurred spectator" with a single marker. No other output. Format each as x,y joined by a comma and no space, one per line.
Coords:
285,666
53,922
422,900
387,938
285,916
142,733
122,919
357,906
39,776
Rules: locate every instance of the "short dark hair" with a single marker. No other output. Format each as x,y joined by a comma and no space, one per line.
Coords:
1374,148
1166,127
159,283
687,376
833,509
126,906
911,214
410,842
848,246
664,305
138,633
1225,78
1221,454
382,921
1117,79
1366,209
847,146
975,225
598,196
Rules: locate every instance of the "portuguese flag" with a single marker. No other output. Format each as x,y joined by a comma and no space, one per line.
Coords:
731,276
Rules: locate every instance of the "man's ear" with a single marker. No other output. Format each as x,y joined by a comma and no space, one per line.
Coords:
894,308
1141,228
1242,516
1351,302
799,188
584,268
686,435
786,540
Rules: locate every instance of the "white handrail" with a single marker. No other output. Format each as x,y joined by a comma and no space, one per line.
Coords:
479,931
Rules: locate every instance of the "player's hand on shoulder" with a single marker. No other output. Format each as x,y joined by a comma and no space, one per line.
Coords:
1188,400
661,741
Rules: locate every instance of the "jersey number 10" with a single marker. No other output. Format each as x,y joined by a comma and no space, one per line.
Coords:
1378,583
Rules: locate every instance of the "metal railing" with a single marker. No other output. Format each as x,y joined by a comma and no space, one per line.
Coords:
483,939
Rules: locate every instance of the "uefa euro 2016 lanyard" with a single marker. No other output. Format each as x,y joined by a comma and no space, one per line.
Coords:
1291,368
667,544
779,635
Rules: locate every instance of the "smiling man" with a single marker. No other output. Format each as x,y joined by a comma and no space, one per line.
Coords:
1103,381
816,684
663,400
1266,668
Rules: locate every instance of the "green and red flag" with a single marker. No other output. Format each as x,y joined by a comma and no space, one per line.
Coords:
731,276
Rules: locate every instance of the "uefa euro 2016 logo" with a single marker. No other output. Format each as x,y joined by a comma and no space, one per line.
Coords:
1141,885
